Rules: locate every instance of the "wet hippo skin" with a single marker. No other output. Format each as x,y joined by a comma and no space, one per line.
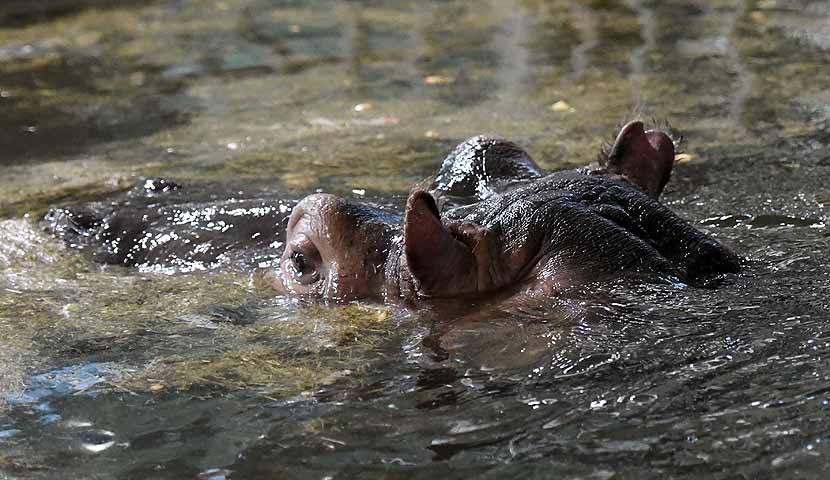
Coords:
491,221
163,226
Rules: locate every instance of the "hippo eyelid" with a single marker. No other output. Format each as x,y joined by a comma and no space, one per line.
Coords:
296,218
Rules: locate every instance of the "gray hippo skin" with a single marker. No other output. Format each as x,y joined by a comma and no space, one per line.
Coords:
493,221
162,226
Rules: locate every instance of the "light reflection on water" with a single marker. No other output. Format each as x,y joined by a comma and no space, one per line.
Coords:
208,377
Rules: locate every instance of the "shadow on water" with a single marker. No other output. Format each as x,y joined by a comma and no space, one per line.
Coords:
56,107
108,372
20,13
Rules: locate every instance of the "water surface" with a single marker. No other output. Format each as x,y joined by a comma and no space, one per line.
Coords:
113,373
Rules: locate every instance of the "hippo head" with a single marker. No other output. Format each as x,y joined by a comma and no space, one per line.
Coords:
543,229
336,249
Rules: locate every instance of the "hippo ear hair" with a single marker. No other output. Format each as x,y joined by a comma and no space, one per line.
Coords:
440,264
644,158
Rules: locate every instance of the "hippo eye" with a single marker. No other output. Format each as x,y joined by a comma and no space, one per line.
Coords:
299,261
303,268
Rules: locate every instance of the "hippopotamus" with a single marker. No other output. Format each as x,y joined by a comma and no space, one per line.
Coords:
491,221
162,226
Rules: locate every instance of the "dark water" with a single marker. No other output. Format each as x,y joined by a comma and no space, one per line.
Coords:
112,373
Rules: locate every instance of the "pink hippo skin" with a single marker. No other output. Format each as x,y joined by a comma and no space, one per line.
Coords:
492,221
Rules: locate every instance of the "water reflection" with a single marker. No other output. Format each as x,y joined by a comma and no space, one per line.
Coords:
96,441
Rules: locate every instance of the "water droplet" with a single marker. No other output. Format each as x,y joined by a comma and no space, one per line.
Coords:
78,424
643,399
96,441
214,474
597,404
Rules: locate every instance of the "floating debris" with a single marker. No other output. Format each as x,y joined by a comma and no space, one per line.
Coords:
438,79
562,106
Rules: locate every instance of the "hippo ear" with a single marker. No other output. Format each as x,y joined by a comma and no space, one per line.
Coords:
440,265
645,158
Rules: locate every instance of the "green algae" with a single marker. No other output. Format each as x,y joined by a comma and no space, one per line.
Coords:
148,321
252,368
36,204
55,301
279,357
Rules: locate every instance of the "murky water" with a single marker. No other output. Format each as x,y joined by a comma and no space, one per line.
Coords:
113,373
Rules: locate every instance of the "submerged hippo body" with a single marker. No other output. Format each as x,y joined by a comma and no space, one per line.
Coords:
162,226
493,220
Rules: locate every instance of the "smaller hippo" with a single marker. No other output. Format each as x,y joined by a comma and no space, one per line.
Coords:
163,226
492,220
